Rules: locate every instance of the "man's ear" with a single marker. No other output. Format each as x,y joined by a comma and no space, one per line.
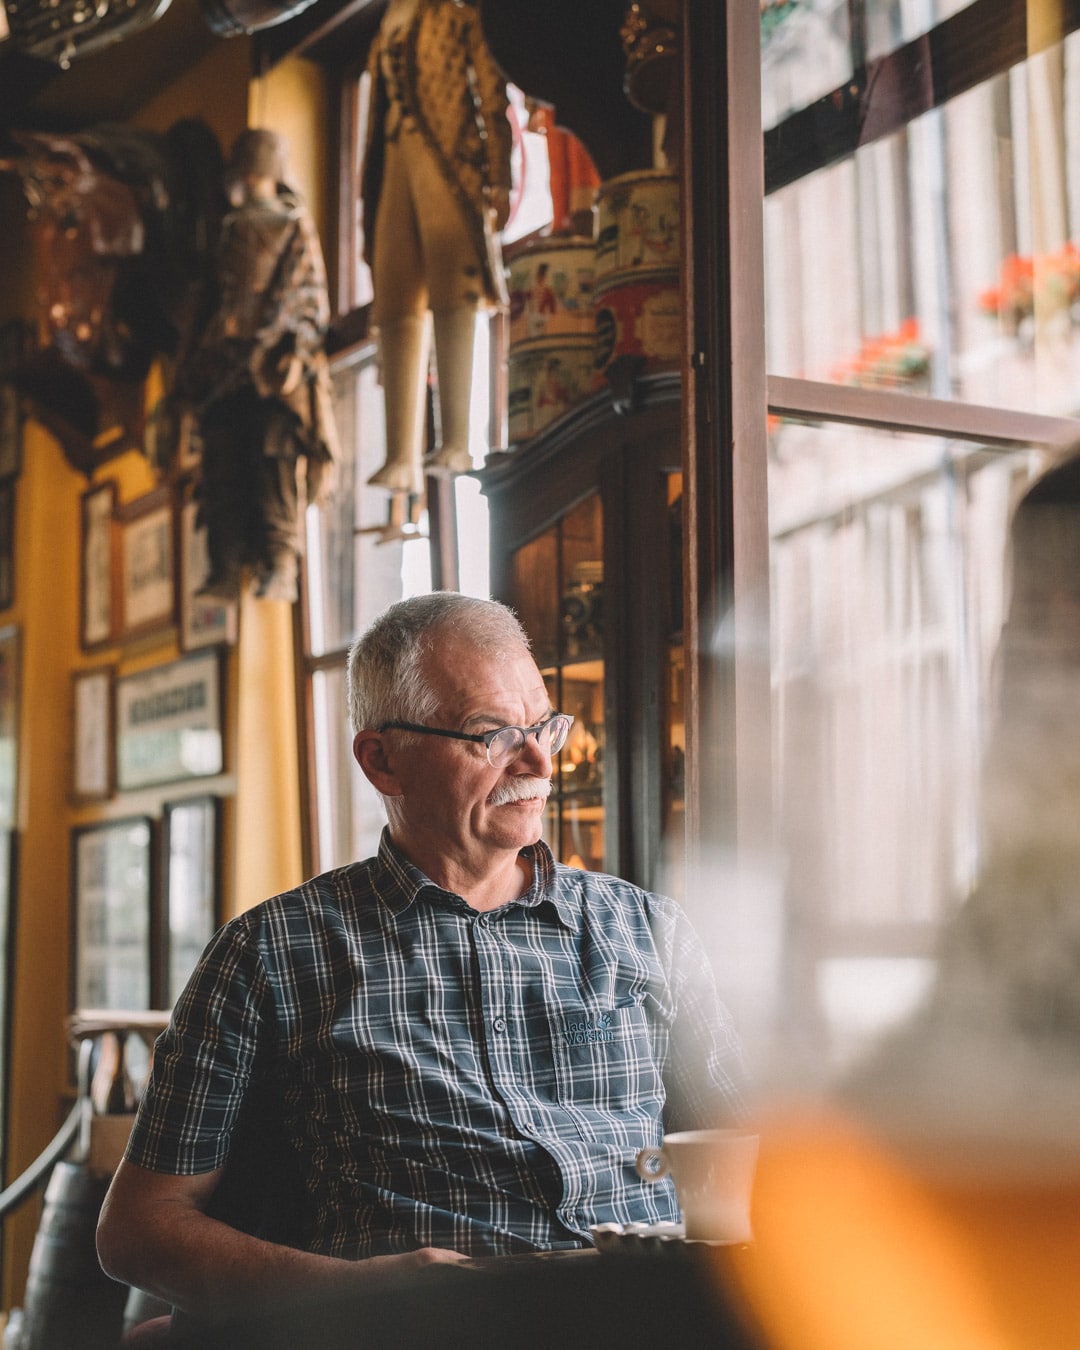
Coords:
370,753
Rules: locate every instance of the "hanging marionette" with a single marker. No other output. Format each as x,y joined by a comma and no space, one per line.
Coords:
257,378
436,191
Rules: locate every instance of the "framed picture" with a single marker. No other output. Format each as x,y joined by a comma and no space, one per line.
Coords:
93,734
147,582
10,431
168,723
9,726
204,621
191,889
7,543
97,623
112,867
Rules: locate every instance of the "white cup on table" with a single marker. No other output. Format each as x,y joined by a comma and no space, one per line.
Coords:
713,1172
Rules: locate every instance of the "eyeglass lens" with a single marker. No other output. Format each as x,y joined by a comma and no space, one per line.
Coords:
510,741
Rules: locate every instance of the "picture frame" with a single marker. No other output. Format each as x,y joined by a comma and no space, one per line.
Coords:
97,606
204,620
7,543
11,431
169,723
10,677
93,773
112,871
147,567
191,888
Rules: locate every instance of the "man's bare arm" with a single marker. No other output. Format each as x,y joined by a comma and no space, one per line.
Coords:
154,1233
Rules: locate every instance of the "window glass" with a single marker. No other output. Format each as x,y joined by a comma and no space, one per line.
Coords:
349,813
362,543
942,259
366,549
890,23
888,590
805,54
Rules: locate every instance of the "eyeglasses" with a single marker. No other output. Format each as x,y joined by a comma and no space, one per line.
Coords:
504,743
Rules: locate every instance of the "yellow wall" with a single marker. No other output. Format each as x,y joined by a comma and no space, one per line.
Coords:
262,850
292,100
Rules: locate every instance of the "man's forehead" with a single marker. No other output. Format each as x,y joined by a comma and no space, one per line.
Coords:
464,670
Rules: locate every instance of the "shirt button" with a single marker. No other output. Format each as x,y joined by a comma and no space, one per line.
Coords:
499,1024
483,921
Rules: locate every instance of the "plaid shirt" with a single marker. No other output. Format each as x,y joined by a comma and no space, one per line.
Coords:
449,1078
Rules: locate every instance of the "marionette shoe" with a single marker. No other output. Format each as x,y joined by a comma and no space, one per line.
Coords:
397,477
448,460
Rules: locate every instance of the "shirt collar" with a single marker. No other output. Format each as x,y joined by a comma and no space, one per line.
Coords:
405,882
546,888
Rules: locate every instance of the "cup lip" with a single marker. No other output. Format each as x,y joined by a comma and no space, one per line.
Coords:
710,1136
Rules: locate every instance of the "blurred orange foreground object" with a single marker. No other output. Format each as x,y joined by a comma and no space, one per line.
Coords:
854,1250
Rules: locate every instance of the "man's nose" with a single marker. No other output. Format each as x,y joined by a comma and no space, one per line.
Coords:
537,750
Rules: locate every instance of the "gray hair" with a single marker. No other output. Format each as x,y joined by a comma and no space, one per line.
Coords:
385,679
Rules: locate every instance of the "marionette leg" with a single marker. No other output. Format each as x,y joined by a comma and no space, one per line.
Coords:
276,548
403,362
400,317
226,500
455,336
276,572
455,286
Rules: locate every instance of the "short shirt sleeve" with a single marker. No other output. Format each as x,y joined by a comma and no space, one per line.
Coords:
216,1042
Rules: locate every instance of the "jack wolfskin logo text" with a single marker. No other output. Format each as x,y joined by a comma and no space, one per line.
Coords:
592,1031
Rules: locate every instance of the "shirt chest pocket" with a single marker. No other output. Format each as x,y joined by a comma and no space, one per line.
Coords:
606,1061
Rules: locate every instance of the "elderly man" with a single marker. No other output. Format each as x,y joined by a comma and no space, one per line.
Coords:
464,1042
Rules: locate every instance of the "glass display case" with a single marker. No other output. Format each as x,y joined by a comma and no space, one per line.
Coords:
586,531
558,592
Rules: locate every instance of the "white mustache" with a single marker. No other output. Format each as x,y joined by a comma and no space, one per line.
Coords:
520,790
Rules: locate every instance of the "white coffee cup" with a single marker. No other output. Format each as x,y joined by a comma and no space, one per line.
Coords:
713,1172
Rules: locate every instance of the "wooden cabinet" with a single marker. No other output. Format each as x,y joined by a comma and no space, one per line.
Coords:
587,548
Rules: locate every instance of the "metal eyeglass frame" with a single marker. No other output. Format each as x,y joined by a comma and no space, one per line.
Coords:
486,738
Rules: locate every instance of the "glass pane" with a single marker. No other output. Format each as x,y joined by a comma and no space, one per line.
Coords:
942,259
536,573
350,814
474,550
364,548
674,747
558,587
582,581
192,888
888,595
580,780
805,54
